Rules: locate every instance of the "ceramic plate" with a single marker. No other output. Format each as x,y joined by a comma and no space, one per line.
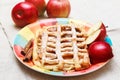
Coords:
25,34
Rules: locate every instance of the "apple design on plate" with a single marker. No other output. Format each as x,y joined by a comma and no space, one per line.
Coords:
96,33
39,4
24,13
58,8
100,51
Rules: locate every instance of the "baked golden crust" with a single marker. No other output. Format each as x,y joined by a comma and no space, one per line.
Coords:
61,48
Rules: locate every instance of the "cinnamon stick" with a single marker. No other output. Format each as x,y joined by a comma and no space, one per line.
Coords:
28,55
27,47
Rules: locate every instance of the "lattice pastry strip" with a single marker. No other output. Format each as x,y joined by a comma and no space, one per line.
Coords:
61,48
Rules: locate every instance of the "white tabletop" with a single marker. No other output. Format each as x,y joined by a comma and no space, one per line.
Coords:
92,11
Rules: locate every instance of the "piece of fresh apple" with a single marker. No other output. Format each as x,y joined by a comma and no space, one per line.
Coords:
58,8
96,33
100,51
103,33
40,5
94,28
93,37
24,13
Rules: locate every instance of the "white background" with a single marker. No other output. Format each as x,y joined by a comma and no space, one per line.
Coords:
92,11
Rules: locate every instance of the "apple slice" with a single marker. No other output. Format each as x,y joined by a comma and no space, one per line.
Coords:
94,28
93,37
103,32
96,33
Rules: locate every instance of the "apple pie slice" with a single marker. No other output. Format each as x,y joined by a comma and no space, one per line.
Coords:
61,48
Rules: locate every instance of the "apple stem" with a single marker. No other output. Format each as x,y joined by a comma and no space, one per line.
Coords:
106,26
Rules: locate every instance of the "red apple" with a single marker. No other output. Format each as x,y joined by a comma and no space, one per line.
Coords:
39,4
96,33
58,8
24,13
100,51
